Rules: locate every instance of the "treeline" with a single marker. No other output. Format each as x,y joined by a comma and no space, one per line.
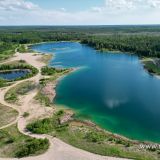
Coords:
142,45
38,36
142,40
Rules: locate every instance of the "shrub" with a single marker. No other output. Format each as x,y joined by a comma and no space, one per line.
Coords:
26,114
95,136
10,140
11,97
31,147
60,113
51,70
41,127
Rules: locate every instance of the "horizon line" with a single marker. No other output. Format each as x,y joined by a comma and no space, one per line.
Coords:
72,25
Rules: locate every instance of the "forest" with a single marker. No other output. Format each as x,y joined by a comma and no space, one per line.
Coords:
142,45
141,40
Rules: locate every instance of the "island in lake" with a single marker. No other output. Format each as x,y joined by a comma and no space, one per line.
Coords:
79,94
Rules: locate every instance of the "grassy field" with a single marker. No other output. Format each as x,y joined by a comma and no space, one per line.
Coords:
15,144
91,138
7,115
12,96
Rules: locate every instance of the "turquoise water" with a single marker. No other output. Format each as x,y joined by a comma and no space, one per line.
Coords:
112,90
12,75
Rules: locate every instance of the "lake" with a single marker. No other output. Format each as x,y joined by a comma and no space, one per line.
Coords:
111,89
12,75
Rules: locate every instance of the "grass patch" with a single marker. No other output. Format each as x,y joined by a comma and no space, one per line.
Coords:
15,144
21,89
3,83
6,50
43,99
22,48
90,138
7,115
48,71
151,67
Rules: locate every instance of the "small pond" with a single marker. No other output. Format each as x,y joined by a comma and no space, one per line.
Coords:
12,75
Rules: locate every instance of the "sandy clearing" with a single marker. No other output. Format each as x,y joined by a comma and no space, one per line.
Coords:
58,150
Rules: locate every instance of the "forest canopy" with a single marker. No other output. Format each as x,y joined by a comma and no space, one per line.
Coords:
142,40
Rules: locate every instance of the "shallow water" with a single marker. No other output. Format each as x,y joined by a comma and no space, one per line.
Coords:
113,90
12,75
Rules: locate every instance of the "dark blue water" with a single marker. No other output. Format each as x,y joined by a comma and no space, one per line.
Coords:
113,90
12,75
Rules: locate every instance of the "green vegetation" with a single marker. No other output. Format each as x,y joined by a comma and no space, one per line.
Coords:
31,147
48,71
152,67
6,50
47,125
21,66
41,96
7,115
95,137
92,139
54,75
142,45
3,83
16,65
21,89
26,114
22,48
41,127
19,145
43,99
142,40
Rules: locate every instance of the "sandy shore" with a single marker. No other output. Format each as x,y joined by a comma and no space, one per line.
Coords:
58,150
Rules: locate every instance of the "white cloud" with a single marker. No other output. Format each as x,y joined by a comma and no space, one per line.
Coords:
154,3
113,103
97,9
24,12
12,5
132,4
119,4
63,9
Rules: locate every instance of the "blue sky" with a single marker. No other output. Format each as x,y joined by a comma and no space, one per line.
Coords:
79,12
72,5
